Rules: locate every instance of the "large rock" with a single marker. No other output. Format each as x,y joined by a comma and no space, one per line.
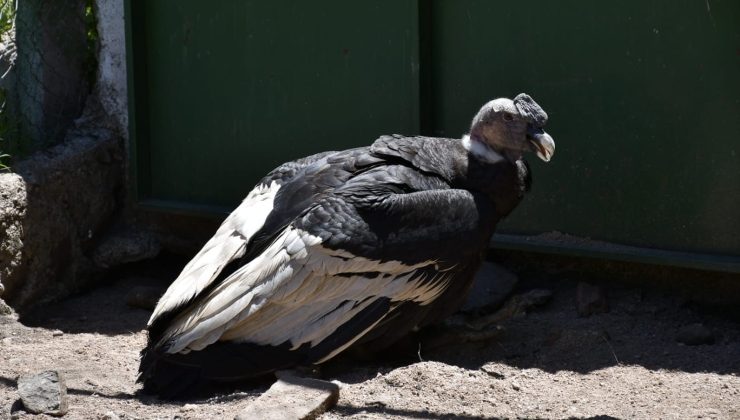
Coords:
54,210
492,284
44,393
293,398
12,215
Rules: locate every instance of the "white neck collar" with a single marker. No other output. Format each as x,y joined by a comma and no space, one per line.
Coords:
481,150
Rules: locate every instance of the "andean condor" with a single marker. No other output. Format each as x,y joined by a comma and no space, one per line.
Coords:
340,249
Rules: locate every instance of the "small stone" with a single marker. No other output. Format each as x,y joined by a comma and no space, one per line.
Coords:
490,371
5,309
57,333
590,299
45,392
695,334
492,284
293,398
144,297
110,416
515,386
125,244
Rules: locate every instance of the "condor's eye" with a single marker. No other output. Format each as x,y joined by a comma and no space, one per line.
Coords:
508,117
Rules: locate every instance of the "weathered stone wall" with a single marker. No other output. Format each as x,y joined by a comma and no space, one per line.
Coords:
52,69
60,211
12,213
54,211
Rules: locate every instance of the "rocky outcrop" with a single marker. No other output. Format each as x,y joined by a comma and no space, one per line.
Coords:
54,210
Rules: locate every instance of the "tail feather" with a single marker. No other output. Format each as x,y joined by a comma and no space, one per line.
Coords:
175,376
178,375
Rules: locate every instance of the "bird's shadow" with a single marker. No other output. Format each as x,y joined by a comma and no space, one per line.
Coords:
640,328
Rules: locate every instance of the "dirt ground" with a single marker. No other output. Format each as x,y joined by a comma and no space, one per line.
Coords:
549,363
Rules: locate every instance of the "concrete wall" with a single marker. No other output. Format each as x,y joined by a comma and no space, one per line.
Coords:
112,83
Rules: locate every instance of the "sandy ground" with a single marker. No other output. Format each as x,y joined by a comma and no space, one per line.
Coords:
550,363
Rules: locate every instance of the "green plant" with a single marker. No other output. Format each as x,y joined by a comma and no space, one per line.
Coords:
7,15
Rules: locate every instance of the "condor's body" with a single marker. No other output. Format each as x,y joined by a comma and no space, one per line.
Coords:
345,248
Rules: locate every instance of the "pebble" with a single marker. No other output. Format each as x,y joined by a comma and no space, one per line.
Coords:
590,299
144,297
490,371
695,334
515,386
57,333
189,407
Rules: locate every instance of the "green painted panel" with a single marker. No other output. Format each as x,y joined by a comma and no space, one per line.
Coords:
230,89
644,104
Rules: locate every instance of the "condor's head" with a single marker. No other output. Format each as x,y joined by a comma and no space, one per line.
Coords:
505,127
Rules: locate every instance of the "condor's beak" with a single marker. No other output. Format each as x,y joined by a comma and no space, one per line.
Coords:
541,143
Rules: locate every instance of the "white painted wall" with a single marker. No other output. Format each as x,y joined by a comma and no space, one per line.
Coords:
112,84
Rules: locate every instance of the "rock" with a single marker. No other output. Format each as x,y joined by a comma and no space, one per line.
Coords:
110,416
125,245
492,284
292,397
590,299
144,297
5,309
517,305
45,392
12,212
695,334
52,211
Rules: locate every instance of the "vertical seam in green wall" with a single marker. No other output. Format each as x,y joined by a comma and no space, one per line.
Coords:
424,33
139,168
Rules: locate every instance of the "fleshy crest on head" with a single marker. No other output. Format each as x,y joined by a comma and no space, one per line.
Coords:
530,110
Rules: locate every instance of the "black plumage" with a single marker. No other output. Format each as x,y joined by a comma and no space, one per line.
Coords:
354,247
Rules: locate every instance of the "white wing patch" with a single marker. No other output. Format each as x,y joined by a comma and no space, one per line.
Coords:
227,244
292,293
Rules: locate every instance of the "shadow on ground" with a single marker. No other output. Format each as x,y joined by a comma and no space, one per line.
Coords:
104,309
639,329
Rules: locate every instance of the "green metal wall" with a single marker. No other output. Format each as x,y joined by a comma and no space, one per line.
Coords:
644,100
234,88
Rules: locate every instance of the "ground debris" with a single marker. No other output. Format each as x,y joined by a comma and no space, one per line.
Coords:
516,306
110,415
695,334
45,392
590,299
492,284
144,297
292,397
124,245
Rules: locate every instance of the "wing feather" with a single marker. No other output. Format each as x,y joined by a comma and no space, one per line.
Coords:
230,241
299,288
228,244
